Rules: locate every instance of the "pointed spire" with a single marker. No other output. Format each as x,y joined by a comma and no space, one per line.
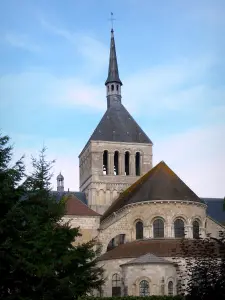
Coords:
113,73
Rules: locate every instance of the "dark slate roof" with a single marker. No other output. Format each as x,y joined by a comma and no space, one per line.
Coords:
148,258
113,73
215,209
119,126
160,183
80,195
76,207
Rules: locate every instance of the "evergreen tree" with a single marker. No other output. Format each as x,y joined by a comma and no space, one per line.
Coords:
43,262
10,216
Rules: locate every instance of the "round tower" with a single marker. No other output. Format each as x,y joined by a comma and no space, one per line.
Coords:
60,183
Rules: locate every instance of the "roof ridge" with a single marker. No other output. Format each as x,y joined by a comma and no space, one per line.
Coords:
133,188
164,184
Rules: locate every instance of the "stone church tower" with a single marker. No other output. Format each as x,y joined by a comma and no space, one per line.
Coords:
118,152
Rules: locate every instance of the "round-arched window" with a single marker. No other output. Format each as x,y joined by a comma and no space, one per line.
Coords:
196,234
170,288
144,288
179,228
139,230
158,228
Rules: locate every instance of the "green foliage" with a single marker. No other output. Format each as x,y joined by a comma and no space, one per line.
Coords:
202,272
37,258
136,298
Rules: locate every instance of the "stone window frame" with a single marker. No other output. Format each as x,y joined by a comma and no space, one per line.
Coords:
116,287
196,219
137,284
152,224
170,279
114,152
117,274
107,166
124,162
135,228
180,217
140,166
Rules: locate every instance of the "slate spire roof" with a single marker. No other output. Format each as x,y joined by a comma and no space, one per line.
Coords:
113,72
119,126
160,183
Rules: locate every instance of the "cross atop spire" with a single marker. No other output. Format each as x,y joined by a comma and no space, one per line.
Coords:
112,19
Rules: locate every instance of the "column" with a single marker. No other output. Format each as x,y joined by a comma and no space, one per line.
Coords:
122,155
147,232
132,165
170,230
141,164
202,232
111,163
188,231
120,163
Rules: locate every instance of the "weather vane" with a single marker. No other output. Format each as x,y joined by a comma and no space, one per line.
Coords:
112,19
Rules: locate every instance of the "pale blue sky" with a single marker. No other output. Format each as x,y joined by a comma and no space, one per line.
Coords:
53,65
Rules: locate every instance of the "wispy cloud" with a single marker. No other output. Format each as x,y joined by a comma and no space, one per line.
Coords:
90,48
181,86
21,41
178,86
197,156
45,88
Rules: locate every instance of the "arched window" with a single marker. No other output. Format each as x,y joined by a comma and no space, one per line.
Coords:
144,288
112,87
158,228
114,242
116,285
170,288
127,163
137,164
117,87
105,162
179,228
139,230
116,163
196,234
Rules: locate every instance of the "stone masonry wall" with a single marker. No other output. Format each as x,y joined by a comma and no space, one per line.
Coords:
213,227
89,226
123,222
130,276
102,190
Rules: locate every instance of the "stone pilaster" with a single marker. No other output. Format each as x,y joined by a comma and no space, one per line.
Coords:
122,163
132,165
141,164
111,163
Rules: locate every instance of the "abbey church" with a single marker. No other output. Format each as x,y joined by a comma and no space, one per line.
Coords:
136,211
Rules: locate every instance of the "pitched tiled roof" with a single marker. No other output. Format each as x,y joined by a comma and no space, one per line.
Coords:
160,183
76,207
148,258
159,247
80,195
